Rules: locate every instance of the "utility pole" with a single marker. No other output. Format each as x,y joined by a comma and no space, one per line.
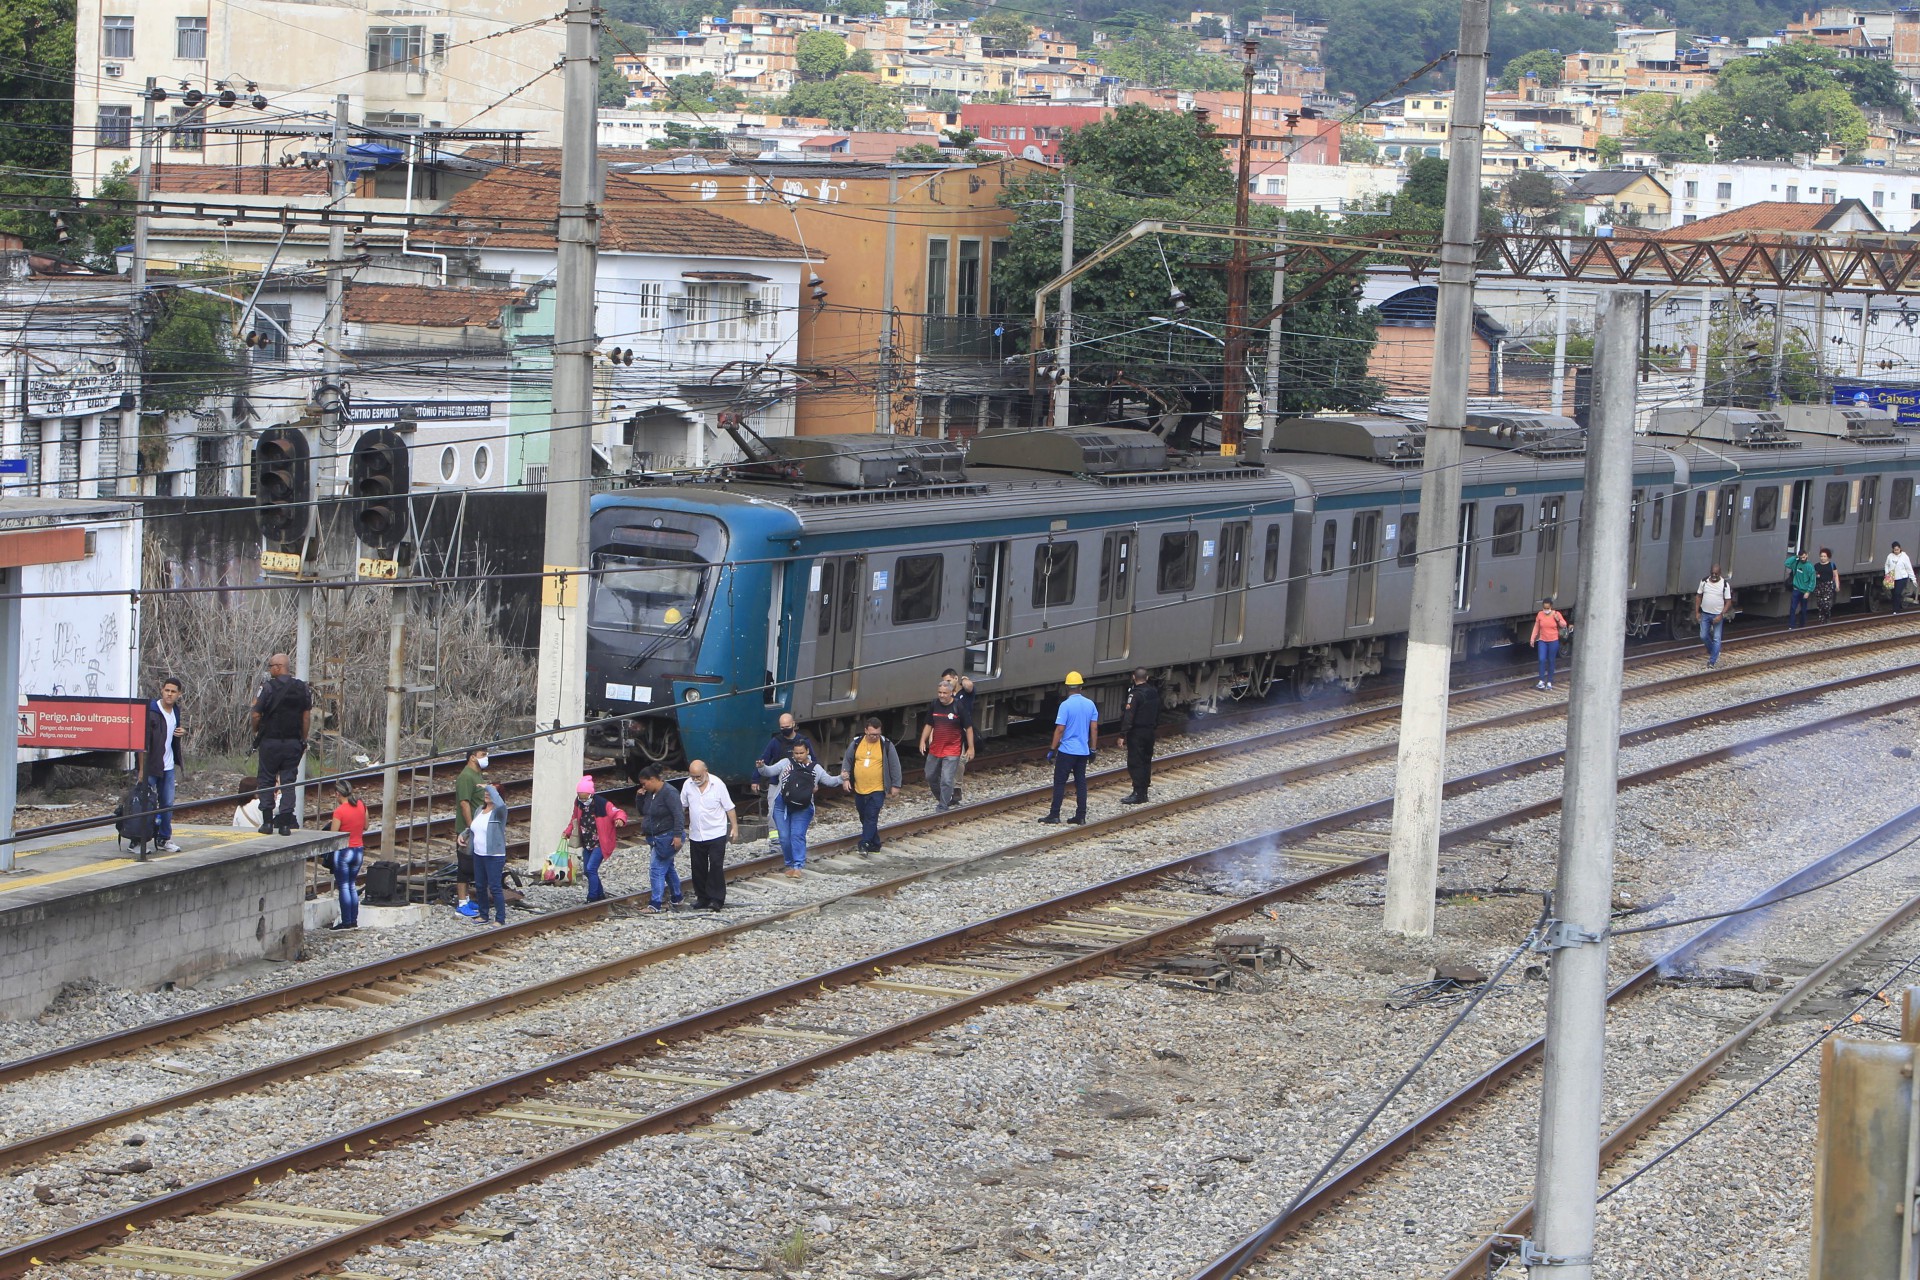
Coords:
1778,370
325,463
1413,859
1270,392
396,691
1233,387
128,463
560,698
883,412
1063,389
1560,350
1571,1089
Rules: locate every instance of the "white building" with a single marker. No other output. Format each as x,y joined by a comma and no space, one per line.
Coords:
1703,190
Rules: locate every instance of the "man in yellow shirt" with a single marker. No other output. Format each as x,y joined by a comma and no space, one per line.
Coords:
872,770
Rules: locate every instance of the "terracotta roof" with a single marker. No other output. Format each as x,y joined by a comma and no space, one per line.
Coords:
635,219
433,308
1779,217
236,179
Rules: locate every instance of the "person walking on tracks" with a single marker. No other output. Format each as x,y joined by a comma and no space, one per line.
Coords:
349,818
1076,736
787,735
872,770
282,719
1548,625
467,790
1139,726
1802,578
161,758
664,827
711,823
592,827
795,782
1899,578
1826,585
946,744
1712,601
487,837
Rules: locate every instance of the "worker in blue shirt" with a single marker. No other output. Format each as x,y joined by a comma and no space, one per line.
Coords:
1076,735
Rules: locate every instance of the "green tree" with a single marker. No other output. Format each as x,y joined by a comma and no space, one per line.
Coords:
1740,362
189,356
944,102
1358,148
847,102
819,55
677,136
1153,53
1792,100
1002,31
1609,150
923,153
1137,341
1531,199
1544,64
1426,183
1210,29
700,93
859,60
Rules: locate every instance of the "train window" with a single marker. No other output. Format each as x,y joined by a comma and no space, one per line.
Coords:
1700,514
1054,567
1900,499
1766,508
1179,561
1272,561
1329,537
1659,522
1409,535
641,593
1508,521
916,588
827,596
1835,499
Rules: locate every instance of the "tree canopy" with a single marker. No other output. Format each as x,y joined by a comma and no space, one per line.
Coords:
1002,31
1545,65
819,55
702,92
1149,51
846,102
1792,100
1372,44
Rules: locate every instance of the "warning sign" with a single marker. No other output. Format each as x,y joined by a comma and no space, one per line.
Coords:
83,724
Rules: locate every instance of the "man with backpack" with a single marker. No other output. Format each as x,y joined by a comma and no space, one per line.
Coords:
161,758
282,719
794,783
872,769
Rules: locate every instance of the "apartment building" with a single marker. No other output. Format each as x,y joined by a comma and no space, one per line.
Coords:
1705,190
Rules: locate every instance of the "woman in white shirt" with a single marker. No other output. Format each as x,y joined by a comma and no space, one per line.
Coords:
1899,577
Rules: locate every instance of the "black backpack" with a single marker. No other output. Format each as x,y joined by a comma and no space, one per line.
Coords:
134,818
796,788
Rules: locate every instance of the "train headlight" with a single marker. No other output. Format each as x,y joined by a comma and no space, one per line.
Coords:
691,695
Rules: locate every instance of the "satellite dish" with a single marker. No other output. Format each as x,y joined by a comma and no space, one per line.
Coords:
1031,152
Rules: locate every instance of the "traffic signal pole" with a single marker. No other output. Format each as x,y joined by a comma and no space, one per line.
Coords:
559,749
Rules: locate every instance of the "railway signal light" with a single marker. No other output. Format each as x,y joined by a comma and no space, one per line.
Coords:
283,487
378,481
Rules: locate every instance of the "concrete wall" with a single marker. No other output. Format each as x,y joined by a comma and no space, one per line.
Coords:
175,919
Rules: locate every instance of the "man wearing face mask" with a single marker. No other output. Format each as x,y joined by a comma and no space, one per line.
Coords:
467,790
780,747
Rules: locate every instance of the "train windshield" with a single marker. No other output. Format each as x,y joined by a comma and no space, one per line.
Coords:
653,580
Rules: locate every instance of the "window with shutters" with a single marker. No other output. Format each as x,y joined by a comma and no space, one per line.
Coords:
108,453
936,277
647,300
769,317
69,477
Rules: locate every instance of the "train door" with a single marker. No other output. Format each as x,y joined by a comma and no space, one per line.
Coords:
1726,525
1800,517
986,601
1230,601
1363,554
1546,571
837,639
1866,541
1463,559
1114,631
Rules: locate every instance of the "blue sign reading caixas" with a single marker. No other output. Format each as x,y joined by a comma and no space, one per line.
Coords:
1903,402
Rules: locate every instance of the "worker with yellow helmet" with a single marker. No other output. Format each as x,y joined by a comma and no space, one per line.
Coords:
1076,735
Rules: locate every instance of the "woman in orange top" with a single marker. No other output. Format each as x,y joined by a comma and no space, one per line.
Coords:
1547,626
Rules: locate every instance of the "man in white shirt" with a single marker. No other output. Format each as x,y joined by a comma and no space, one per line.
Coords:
1711,604
711,822
1900,569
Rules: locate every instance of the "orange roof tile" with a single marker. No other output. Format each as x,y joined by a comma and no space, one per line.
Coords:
425,305
237,179
1779,217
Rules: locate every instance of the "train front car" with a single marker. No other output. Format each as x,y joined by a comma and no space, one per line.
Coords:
678,636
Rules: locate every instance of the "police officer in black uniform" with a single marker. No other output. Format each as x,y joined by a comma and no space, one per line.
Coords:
1139,722
282,717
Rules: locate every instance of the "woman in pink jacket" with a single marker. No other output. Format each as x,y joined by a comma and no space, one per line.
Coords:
591,829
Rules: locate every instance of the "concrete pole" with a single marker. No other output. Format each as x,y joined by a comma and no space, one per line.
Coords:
1063,389
396,687
128,463
10,700
1413,859
1569,1162
1866,319
1233,383
1276,327
1702,340
560,698
1560,351
1779,347
883,412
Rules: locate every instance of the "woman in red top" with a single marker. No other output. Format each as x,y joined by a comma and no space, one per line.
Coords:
349,817
1548,624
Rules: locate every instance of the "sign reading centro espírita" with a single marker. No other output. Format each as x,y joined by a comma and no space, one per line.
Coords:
367,412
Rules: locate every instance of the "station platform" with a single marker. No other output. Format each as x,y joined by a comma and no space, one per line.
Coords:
78,906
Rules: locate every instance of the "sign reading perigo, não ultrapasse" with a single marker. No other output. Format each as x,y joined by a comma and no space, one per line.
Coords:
71,393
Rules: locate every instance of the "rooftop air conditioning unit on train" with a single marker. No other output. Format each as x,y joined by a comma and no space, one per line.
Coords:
1746,428
1394,442
1082,452
1843,422
873,462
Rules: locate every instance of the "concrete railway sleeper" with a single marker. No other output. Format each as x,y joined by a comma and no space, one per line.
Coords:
548,1099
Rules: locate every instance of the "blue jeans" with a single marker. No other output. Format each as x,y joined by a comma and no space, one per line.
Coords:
1067,765
490,885
1548,652
163,796
1710,625
868,804
662,874
346,881
1797,609
592,860
792,824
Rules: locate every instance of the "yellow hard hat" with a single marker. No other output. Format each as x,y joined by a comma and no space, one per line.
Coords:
1073,680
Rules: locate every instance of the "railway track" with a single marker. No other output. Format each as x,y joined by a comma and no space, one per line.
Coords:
1137,914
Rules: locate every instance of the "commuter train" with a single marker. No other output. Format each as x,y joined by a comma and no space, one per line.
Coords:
837,576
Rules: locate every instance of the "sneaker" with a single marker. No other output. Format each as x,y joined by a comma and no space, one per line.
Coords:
793,872
1133,799
1050,820
716,906
773,837
340,925
170,847
1539,684
650,910
468,910
1549,684
1079,821
679,903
